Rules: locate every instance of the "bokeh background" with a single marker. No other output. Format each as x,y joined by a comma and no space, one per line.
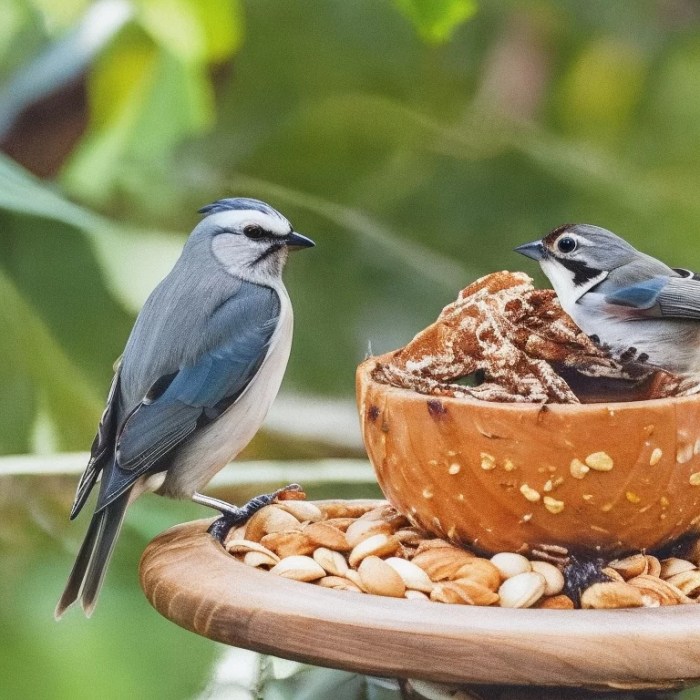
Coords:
417,141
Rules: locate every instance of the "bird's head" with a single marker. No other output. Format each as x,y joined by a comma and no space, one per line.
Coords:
249,238
576,257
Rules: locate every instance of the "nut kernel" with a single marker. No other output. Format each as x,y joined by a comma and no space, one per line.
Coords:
522,590
298,568
694,479
480,571
673,565
553,505
245,546
687,581
631,566
578,469
286,544
464,592
684,453
332,562
510,564
354,577
612,594
270,519
377,545
556,602
599,461
530,493
256,559
381,579
553,578
441,563
362,529
413,576
488,462
325,535
655,457
454,468
339,583
303,511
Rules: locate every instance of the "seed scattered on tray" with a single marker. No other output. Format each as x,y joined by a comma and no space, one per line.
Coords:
362,547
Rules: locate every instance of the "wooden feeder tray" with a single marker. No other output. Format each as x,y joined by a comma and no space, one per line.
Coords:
190,579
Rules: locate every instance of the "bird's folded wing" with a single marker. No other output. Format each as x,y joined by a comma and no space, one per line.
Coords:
661,297
195,395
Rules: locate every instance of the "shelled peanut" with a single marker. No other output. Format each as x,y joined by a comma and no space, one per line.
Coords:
363,547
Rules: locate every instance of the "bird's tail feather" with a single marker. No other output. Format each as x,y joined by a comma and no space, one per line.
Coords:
90,566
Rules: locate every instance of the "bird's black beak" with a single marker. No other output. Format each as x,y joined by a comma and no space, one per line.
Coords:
296,241
534,250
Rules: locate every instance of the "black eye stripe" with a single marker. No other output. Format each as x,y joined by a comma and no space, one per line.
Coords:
255,231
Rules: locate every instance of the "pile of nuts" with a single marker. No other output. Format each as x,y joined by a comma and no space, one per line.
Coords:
364,547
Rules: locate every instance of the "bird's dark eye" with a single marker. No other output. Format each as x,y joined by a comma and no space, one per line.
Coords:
254,231
567,244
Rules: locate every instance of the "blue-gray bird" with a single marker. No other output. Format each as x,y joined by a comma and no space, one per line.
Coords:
633,303
200,370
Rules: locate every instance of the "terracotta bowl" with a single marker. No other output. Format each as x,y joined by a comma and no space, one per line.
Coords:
595,478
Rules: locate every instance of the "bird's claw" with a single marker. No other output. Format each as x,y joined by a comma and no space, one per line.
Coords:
233,516
220,528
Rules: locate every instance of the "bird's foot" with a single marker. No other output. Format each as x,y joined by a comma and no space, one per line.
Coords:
232,516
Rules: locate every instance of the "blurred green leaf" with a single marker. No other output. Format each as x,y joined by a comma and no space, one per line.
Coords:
32,352
437,20
194,30
144,101
59,15
149,90
596,102
222,25
53,315
132,260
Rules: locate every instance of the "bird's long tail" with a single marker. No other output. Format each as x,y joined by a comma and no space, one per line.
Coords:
90,566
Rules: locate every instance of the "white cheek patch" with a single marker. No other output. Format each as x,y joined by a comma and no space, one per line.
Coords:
233,250
562,280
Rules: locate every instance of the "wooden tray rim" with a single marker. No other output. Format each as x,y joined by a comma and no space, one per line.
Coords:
192,581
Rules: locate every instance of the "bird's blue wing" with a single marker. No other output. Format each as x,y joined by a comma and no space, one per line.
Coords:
178,404
641,295
661,297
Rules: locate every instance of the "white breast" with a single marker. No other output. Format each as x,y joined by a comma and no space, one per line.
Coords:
217,444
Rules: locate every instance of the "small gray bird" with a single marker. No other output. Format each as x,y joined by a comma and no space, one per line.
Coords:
200,370
631,302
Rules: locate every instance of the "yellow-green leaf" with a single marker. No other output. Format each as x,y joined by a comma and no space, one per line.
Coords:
436,20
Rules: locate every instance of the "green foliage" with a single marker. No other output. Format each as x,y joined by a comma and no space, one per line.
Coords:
436,20
149,90
416,141
53,359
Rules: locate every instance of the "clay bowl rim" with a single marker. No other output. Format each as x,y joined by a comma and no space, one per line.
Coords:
365,368
191,580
